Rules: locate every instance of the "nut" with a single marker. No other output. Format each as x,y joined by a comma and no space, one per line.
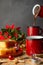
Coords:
21,61
15,60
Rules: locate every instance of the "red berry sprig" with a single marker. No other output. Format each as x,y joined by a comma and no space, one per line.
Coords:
11,32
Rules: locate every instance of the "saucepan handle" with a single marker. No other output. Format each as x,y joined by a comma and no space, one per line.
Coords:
41,31
42,46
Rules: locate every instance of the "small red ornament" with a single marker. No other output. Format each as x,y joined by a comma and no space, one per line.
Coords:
11,57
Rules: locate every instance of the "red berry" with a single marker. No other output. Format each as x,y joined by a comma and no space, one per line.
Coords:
11,57
0,33
16,35
2,37
18,28
7,26
20,49
22,35
9,37
12,26
6,33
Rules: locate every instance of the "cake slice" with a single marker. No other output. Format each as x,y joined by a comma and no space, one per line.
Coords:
5,52
8,48
7,43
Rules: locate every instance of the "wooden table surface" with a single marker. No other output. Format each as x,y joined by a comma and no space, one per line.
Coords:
21,60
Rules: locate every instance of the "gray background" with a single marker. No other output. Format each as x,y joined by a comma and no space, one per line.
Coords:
19,12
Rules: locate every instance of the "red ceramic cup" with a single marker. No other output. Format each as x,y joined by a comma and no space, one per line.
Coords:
34,45
33,31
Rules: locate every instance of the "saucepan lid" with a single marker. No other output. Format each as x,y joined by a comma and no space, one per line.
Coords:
34,37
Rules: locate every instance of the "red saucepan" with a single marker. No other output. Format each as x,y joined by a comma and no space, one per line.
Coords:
34,45
34,30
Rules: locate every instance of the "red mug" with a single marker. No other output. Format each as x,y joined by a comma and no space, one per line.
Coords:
33,31
34,45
